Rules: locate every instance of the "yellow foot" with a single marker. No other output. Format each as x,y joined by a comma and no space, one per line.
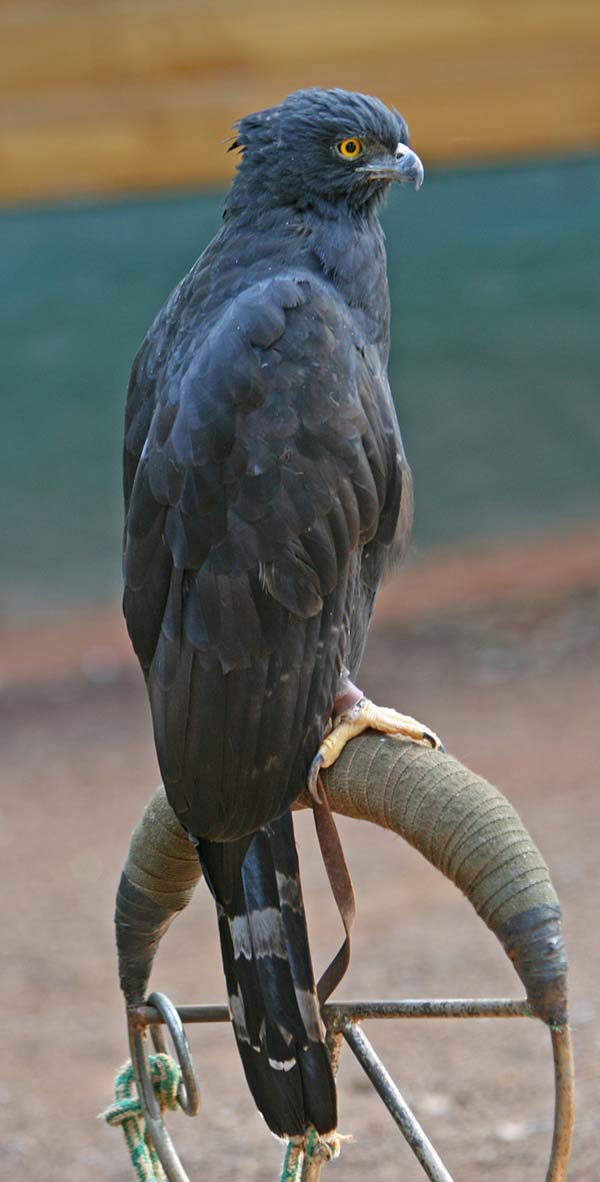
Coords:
365,715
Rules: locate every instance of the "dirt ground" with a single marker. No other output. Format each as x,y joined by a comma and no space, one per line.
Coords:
515,692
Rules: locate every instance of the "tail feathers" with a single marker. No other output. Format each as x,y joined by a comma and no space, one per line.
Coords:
270,980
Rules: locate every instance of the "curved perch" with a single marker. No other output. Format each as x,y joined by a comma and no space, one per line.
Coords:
455,818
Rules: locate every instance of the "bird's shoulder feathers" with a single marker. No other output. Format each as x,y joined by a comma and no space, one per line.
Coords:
265,443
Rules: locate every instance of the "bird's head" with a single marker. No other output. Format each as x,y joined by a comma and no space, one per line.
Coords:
325,148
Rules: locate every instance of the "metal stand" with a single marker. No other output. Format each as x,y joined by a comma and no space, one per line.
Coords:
342,1020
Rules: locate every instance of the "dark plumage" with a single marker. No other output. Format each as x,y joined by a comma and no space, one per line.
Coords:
266,491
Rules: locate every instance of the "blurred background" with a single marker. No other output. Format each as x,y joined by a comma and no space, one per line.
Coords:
114,120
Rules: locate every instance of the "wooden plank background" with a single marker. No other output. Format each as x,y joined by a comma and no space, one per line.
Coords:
114,96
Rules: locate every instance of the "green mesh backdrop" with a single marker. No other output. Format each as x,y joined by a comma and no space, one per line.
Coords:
495,278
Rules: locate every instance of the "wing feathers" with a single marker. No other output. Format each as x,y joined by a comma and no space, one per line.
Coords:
264,466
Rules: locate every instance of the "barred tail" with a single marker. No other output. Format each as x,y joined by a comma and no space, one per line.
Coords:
270,980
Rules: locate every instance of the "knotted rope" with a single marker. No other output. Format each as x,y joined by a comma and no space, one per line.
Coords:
126,1111
310,1147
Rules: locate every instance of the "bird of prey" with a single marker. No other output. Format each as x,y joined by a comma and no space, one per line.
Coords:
266,494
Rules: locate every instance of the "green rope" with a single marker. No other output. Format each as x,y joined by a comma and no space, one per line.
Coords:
292,1163
309,1146
127,1112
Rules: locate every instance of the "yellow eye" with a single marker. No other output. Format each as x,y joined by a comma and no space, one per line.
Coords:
350,149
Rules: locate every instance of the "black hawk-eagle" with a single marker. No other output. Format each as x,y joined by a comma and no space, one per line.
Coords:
266,494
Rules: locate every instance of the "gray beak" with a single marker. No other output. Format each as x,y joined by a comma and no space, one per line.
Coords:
405,166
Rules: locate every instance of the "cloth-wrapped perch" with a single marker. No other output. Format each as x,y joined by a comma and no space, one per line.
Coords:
457,820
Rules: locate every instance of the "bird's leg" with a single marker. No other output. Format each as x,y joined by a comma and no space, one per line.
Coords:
353,714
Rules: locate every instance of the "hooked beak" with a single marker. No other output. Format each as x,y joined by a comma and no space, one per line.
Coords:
405,166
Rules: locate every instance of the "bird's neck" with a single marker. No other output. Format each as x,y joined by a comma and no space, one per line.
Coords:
350,252
346,248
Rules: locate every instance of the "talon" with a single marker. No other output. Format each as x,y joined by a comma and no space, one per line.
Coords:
362,716
434,740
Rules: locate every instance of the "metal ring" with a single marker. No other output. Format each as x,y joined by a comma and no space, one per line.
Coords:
155,1126
188,1092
